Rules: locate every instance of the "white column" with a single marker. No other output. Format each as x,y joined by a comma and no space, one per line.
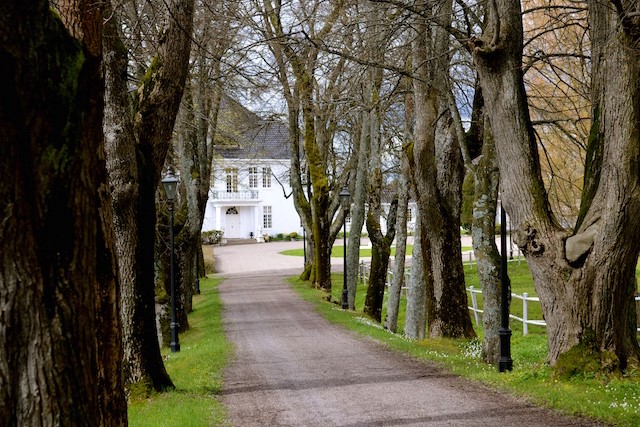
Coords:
218,219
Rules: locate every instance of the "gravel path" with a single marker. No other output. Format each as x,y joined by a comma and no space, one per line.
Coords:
293,368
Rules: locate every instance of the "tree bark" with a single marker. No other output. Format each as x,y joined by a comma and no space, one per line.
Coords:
415,324
137,145
486,180
438,180
358,200
395,290
57,265
380,250
594,310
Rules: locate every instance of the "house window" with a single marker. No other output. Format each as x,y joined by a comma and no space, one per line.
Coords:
232,180
253,177
266,177
409,215
267,220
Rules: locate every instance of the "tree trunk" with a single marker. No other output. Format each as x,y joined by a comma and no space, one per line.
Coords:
395,290
316,137
486,179
438,180
357,210
593,312
143,362
196,128
380,251
415,324
57,276
136,150
381,242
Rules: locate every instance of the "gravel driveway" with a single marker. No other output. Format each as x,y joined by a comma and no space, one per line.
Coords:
293,368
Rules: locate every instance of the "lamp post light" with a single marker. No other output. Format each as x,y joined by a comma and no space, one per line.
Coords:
170,184
345,201
505,363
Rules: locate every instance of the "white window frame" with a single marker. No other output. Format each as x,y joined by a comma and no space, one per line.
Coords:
232,179
266,177
253,177
267,217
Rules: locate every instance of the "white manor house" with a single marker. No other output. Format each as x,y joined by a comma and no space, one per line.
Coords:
250,194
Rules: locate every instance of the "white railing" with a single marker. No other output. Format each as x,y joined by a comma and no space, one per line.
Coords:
364,271
235,195
525,309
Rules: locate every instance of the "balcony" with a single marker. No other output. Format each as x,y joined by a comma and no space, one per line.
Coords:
235,196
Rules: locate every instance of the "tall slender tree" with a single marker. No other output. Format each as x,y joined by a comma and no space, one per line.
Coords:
297,62
138,133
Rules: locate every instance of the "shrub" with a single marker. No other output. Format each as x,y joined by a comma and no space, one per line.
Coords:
293,235
212,237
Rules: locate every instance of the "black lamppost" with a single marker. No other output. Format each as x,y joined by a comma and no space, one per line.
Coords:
197,272
345,201
170,183
505,363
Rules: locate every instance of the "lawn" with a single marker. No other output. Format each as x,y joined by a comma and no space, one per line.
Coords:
196,371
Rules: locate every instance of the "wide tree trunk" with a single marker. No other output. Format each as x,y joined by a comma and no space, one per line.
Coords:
438,180
57,260
594,307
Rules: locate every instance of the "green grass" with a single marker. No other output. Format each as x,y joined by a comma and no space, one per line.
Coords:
338,251
196,371
613,400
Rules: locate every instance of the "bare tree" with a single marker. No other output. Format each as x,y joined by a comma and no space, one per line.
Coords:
138,132
296,58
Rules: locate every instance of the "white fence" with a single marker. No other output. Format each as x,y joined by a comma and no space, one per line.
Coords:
525,309
364,271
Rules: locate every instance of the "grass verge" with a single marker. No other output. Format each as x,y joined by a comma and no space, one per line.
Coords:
196,371
614,400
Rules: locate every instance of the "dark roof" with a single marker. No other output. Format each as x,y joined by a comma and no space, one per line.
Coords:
242,134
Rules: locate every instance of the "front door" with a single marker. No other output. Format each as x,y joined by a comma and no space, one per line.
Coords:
232,220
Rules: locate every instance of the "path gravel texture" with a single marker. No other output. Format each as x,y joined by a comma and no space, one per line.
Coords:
293,368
